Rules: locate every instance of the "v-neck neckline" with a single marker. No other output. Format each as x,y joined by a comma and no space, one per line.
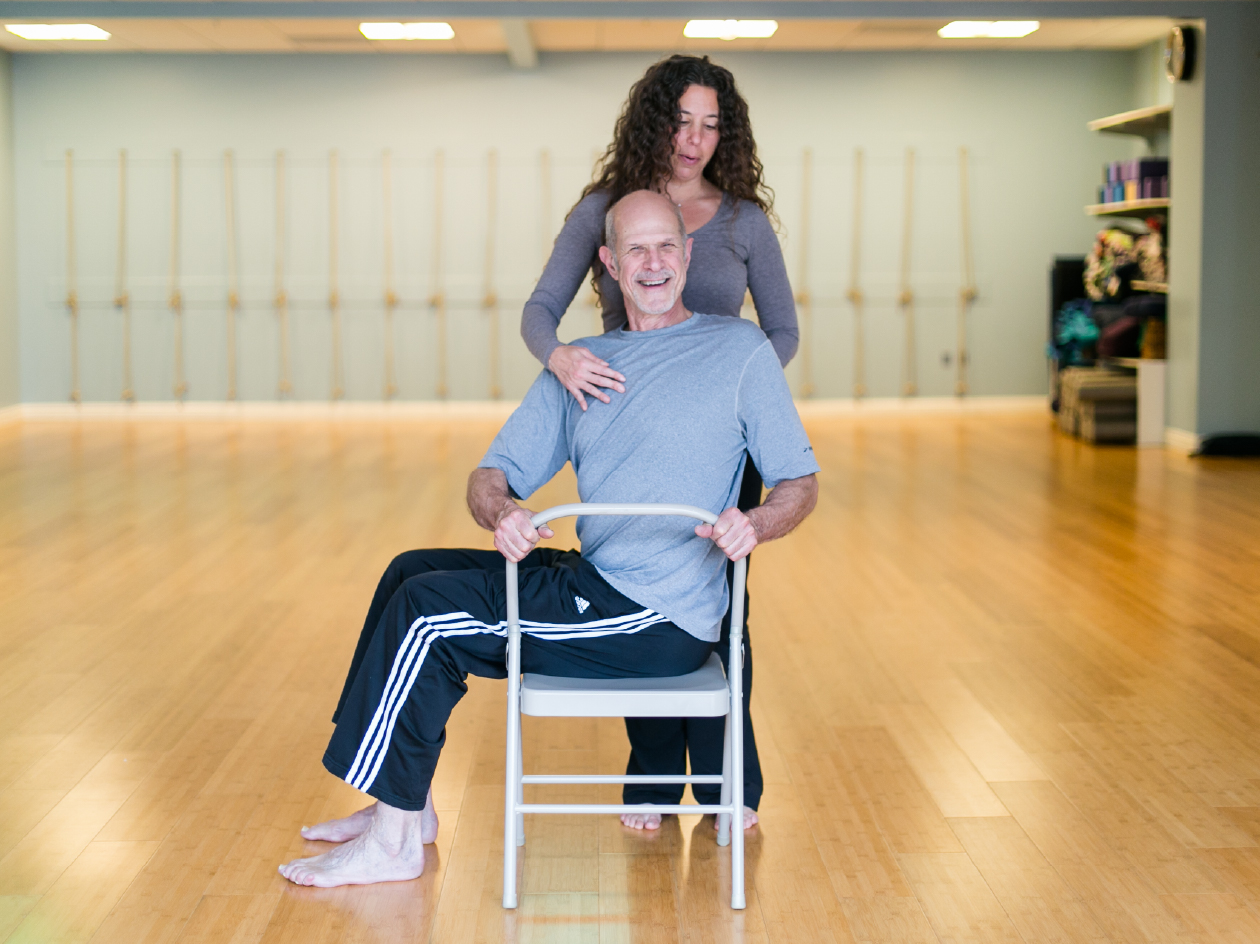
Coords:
716,214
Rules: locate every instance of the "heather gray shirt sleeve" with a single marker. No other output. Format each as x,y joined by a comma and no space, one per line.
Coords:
768,283
568,266
777,441
533,444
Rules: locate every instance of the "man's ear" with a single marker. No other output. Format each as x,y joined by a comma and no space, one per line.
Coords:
687,256
610,261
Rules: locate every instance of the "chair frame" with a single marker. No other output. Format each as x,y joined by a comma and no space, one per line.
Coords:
730,811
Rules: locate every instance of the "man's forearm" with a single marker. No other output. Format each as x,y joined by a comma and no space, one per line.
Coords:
488,497
787,505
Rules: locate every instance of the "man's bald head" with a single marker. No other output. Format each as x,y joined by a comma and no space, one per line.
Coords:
648,253
641,205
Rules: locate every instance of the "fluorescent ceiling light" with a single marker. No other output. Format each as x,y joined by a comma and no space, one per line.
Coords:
988,29
407,30
730,29
57,31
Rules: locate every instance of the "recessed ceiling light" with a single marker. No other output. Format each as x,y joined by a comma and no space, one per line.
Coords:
57,31
730,29
988,29
407,30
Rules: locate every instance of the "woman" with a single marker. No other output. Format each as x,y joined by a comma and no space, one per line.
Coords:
684,131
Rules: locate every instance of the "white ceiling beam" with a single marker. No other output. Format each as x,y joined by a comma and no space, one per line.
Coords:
520,44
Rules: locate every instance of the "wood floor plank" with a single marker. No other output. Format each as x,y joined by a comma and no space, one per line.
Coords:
942,767
1216,918
1120,896
795,894
1032,893
888,920
230,919
1137,770
905,811
44,853
844,827
956,899
76,904
1129,825
13,909
985,742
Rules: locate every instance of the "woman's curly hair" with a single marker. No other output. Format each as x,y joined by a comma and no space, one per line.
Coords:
641,154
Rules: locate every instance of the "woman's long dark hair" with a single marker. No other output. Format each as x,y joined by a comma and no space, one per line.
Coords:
640,156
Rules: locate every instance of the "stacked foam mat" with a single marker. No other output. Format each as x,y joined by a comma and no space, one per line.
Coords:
1098,404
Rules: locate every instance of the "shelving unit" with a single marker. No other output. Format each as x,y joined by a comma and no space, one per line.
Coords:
1129,207
1151,373
1144,122
1151,378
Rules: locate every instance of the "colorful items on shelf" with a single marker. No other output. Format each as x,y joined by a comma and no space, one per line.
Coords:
1150,254
1114,249
1075,334
1142,178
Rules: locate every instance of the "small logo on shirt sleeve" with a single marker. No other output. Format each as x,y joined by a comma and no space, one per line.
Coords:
581,605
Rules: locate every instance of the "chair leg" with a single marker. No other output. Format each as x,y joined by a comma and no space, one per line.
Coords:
737,826
724,821
520,794
511,792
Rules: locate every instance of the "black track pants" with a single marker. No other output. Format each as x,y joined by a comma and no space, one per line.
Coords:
661,745
439,616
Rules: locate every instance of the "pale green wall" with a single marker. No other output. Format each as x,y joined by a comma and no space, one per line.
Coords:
1229,320
9,381
1214,310
1023,116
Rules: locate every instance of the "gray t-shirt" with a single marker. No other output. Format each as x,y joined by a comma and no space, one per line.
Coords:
734,251
700,395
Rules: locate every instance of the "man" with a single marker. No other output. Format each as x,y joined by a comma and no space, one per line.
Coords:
644,598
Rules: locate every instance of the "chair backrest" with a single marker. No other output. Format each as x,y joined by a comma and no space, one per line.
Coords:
578,509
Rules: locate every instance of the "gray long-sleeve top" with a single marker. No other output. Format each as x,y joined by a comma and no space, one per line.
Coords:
734,251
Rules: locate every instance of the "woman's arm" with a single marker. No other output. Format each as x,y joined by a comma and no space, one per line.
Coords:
769,285
578,369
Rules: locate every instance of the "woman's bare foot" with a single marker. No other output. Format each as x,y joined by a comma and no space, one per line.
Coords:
750,819
389,850
354,825
641,820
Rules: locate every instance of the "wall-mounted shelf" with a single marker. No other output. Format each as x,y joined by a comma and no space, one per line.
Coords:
1143,122
1159,288
1129,207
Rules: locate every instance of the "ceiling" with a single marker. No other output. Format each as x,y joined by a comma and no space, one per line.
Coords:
587,35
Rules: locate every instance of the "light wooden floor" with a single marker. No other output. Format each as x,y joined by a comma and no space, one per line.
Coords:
1008,689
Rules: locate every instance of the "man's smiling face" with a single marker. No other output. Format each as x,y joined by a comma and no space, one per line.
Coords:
651,253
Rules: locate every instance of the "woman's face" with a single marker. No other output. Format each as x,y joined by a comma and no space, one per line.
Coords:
698,134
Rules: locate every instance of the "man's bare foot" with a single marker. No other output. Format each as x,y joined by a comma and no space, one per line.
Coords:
341,830
389,850
641,820
750,819
354,825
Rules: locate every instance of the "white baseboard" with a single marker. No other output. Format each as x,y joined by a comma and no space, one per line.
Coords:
268,411
1182,440
850,407
317,411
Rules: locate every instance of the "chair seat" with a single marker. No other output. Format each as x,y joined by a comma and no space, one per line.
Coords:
702,694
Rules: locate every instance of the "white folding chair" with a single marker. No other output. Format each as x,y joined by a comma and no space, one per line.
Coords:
707,692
